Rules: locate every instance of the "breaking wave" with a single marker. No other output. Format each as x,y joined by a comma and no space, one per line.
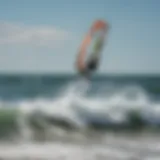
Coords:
74,108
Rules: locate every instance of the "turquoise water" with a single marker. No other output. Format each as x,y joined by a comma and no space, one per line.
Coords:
16,87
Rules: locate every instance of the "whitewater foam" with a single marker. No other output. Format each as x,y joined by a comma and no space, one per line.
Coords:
74,106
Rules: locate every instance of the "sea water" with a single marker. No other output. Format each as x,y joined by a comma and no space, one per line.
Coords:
66,100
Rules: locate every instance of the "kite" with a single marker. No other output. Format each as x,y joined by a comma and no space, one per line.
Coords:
94,41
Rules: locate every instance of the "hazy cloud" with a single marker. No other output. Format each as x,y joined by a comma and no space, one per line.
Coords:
34,36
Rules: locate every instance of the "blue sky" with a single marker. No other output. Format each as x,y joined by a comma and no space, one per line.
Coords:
42,36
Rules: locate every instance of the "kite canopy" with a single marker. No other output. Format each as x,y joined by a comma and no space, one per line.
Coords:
97,32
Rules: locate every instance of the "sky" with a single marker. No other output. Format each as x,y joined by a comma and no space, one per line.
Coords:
43,36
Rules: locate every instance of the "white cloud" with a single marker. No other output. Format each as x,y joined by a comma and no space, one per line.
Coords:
34,36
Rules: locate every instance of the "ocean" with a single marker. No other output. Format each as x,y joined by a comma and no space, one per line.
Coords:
67,117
